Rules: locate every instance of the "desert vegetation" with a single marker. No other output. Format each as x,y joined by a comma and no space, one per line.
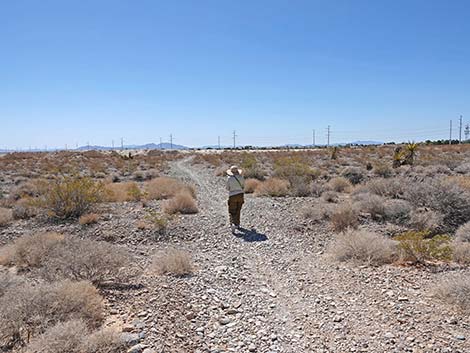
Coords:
99,237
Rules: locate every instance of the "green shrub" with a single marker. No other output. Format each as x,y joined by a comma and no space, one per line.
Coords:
419,247
69,196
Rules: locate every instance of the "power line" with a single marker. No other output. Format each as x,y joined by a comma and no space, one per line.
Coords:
328,135
460,130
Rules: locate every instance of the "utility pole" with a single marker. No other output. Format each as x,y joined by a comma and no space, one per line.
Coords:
313,138
218,139
88,145
450,133
122,143
460,130
467,132
171,141
328,135
234,139
112,143
66,148
161,145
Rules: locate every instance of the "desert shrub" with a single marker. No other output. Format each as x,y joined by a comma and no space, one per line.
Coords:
419,247
382,170
64,337
273,187
461,252
422,219
105,340
339,184
354,174
138,175
316,189
26,311
300,186
450,200
121,192
463,233
70,196
254,172
391,187
363,247
397,211
6,216
165,187
182,202
89,218
30,251
7,281
293,167
156,221
463,168
57,256
251,185
316,213
372,204
330,196
73,337
23,209
343,217
172,262
455,291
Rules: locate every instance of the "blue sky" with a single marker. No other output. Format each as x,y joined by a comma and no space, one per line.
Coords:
93,71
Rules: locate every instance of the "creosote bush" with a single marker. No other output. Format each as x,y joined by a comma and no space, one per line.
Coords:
182,202
354,174
421,247
27,311
172,262
55,256
461,252
273,187
364,247
69,196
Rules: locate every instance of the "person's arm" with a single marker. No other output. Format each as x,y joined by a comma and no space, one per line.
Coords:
227,184
242,181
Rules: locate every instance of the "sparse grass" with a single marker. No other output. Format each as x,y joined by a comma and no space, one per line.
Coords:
344,217
6,216
455,291
27,311
165,188
274,187
172,262
251,185
363,247
122,192
89,218
182,202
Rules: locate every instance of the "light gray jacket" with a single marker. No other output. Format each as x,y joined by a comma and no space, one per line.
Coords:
235,185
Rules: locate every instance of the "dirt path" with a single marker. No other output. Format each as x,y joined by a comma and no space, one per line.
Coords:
271,289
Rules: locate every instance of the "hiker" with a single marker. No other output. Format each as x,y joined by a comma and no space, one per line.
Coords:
235,187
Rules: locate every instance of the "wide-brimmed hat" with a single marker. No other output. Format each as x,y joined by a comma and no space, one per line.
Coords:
233,170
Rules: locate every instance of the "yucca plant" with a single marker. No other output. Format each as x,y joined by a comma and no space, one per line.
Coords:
411,151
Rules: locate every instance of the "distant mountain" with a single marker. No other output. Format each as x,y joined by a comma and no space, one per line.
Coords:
366,143
148,146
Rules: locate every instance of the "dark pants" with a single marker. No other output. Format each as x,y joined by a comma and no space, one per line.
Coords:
235,204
